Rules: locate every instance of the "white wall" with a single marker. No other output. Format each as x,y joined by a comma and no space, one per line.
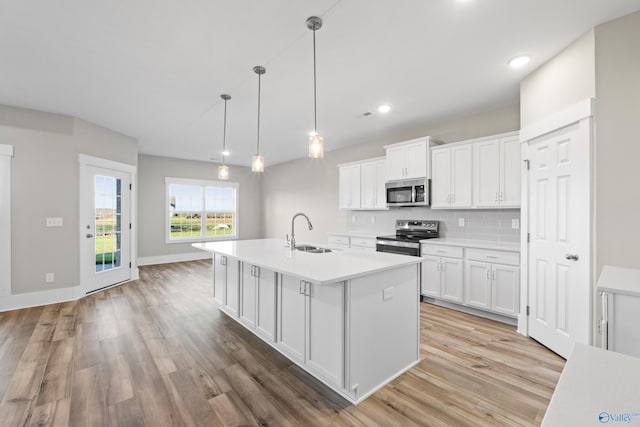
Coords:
311,185
617,175
152,171
566,79
45,173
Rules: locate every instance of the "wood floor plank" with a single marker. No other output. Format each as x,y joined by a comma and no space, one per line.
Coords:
158,352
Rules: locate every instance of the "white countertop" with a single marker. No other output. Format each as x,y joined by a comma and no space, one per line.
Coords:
478,244
619,280
322,269
597,387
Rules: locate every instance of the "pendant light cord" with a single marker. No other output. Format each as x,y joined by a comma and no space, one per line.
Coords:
258,137
224,132
315,108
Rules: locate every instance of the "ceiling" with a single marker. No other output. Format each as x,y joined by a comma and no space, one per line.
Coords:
155,69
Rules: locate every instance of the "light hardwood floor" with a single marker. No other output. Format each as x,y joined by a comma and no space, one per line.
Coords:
157,352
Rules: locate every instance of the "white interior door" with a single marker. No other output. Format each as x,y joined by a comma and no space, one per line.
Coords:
105,234
559,258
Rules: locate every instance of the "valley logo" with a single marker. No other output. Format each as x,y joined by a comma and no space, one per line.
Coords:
622,417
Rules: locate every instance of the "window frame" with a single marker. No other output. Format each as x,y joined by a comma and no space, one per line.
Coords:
203,213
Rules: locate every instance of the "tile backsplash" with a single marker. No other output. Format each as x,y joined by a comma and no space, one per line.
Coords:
479,224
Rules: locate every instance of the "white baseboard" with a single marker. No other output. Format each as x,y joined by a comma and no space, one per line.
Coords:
165,259
34,299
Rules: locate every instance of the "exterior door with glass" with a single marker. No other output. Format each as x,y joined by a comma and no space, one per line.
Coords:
105,227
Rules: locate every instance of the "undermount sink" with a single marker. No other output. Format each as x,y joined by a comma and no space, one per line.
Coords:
312,249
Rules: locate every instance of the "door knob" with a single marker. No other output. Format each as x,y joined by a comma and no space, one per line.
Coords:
89,236
571,257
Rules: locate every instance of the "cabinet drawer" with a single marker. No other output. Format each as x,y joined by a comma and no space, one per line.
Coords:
441,250
335,239
364,242
497,257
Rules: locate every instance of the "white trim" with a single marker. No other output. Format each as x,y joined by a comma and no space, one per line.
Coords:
558,120
107,164
6,153
166,259
34,299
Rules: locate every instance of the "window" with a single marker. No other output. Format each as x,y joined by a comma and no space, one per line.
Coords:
201,210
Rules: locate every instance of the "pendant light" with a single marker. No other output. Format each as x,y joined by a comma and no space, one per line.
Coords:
316,143
223,170
257,161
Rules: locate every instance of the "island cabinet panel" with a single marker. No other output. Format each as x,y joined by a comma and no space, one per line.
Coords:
266,311
291,317
232,287
219,277
325,346
382,328
248,295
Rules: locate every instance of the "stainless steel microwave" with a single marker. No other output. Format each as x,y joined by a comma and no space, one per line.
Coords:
408,193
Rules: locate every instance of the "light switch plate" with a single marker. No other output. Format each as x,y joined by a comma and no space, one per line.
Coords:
54,222
515,224
387,293
49,278
460,222
353,219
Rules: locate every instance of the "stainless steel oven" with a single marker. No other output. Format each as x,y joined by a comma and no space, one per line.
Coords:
408,193
408,235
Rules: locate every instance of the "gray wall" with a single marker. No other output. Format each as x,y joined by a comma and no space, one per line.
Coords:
152,171
45,172
566,79
617,151
311,186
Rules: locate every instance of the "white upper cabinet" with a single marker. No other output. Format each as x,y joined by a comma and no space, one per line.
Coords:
362,185
409,159
451,185
372,180
349,187
496,167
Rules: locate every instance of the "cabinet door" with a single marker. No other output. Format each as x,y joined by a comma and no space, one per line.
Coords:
380,180
478,284
349,187
505,295
487,176
430,276
232,288
396,163
266,292
368,185
219,278
441,181
247,309
511,171
451,279
291,317
461,183
416,160
325,351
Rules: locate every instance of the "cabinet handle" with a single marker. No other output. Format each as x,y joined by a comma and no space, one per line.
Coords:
493,275
496,197
301,291
256,271
223,260
501,196
492,257
441,252
571,257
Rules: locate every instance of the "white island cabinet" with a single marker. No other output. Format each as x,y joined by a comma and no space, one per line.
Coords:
349,317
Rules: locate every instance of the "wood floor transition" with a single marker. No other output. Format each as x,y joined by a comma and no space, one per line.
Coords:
157,352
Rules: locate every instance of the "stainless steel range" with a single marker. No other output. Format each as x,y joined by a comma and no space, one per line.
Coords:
406,241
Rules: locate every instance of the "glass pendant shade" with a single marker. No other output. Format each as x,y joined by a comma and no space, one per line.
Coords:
257,163
316,147
223,172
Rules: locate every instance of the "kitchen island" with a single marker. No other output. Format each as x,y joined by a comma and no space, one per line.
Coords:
350,318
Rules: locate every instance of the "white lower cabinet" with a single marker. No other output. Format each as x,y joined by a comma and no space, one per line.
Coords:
232,286
219,277
491,279
311,326
258,300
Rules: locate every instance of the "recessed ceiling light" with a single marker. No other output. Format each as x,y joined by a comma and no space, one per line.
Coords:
519,61
384,109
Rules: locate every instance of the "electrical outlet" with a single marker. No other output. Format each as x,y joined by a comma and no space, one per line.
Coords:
49,278
460,222
515,223
353,219
54,222
387,294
